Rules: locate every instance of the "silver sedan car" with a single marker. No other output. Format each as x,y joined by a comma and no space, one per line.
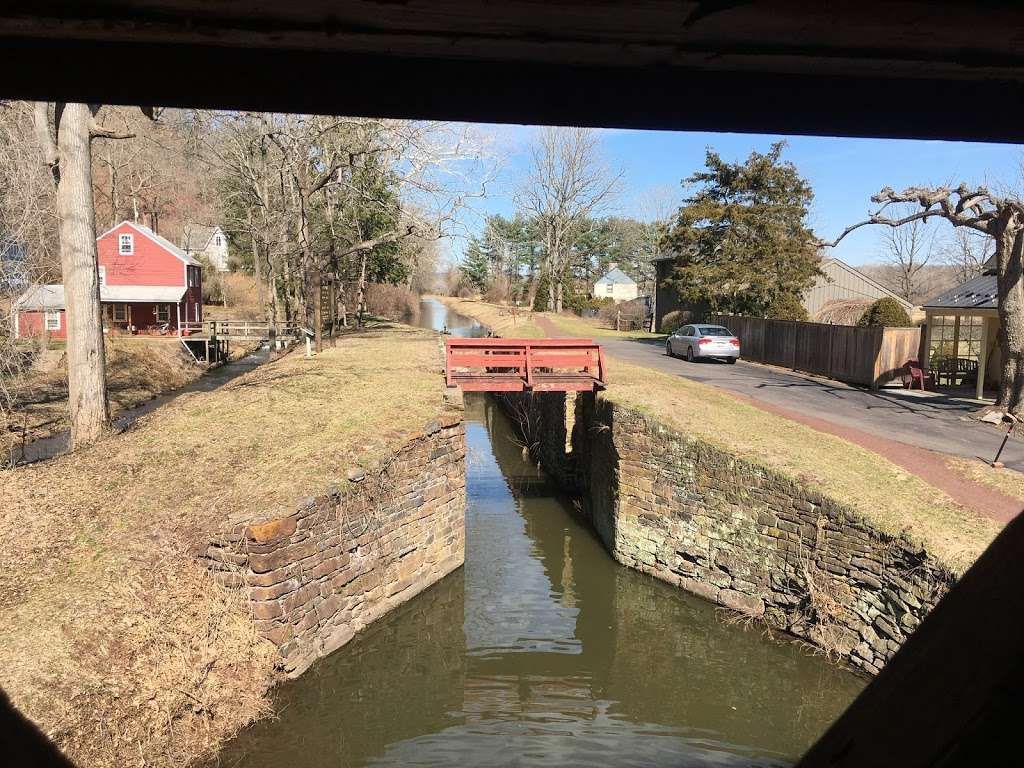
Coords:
703,341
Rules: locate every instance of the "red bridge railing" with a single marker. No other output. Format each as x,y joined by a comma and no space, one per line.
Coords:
517,365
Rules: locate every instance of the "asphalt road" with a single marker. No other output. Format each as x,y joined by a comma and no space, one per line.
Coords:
925,420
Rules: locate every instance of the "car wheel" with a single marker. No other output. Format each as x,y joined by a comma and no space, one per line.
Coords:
689,355
668,349
730,360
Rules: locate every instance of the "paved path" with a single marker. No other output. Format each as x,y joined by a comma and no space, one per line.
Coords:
911,430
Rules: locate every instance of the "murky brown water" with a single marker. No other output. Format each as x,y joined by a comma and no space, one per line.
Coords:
543,651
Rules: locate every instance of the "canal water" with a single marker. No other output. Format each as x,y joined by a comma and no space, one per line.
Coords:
436,316
544,651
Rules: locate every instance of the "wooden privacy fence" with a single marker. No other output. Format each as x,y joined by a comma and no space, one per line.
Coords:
872,356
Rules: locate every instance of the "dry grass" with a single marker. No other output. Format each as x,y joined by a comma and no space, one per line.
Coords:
112,637
502,319
1004,480
592,328
891,499
137,369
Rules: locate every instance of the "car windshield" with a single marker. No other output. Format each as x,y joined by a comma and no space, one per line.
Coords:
714,330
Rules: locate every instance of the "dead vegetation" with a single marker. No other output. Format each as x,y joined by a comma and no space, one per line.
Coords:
112,638
137,370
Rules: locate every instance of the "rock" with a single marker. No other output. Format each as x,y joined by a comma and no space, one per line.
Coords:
271,531
992,417
748,604
356,474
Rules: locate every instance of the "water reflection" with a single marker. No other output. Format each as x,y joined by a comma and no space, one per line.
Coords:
543,651
437,317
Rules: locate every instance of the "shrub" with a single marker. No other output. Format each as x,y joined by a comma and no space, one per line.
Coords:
391,301
786,306
498,290
574,302
672,320
886,312
630,315
241,294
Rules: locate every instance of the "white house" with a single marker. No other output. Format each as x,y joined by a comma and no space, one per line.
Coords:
210,242
616,285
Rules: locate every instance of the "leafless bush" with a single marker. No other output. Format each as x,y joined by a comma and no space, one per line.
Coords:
627,316
391,301
672,320
498,292
241,293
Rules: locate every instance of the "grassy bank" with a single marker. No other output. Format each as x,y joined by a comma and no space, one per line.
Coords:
592,328
499,318
112,638
891,499
137,369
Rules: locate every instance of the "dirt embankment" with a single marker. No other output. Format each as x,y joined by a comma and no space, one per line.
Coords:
137,370
113,638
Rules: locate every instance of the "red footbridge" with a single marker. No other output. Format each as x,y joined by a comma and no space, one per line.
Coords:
524,365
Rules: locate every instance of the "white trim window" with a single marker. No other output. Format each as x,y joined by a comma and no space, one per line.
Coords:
120,313
217,241
103,274
163,313
52,321
126,244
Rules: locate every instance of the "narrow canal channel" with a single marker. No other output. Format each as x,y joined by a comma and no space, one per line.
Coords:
543,651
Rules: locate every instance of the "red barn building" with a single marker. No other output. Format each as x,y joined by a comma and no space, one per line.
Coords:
147,285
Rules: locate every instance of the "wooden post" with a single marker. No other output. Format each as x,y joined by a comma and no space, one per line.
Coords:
982,359
334,310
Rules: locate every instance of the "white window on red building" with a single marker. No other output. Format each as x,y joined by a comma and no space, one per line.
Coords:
163,313
126,244
120,313
53,321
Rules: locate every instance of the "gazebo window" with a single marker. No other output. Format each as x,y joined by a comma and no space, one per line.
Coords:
943,337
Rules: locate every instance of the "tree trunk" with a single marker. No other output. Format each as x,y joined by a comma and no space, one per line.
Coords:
87,381
1009,253
318,315
361,289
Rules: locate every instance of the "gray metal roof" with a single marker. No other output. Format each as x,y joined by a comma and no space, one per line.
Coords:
976,293
51,297
617,277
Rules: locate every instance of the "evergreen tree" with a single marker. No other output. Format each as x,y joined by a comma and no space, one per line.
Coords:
476,265
786,306
742,238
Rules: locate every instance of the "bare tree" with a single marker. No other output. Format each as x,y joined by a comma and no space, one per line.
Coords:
906,251
65,131
966,253
998,217
568,182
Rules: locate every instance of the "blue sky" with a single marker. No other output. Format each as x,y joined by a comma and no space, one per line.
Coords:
843,172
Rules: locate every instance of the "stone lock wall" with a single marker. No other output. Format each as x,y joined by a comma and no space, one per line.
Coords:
740,535
345,558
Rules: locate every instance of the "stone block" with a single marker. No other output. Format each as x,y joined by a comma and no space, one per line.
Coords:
271,530
273,560
738,601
